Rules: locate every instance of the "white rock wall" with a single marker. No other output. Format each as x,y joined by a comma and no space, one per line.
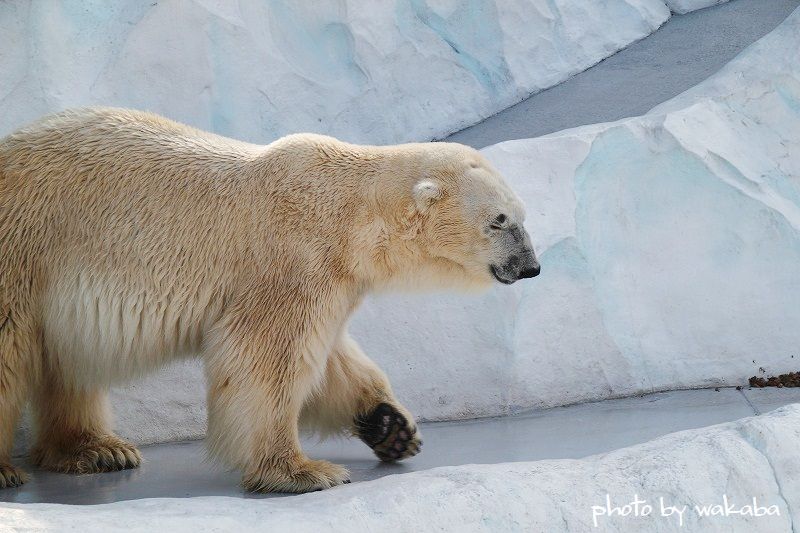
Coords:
670,251
377,72
743,460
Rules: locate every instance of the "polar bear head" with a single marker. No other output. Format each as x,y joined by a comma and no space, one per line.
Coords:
463,222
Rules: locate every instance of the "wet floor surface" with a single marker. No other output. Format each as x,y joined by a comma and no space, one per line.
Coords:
181,469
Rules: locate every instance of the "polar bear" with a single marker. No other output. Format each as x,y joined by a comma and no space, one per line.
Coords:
128,240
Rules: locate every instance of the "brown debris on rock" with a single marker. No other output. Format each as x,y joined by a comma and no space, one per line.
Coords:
792,379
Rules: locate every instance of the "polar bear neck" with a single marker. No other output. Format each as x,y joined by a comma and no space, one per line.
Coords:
356,196
369,191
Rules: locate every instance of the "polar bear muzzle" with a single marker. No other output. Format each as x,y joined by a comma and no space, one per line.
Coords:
520,262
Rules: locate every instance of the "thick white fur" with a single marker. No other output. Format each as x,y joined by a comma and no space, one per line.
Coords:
128,240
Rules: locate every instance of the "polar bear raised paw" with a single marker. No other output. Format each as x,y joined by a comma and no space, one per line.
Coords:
388,433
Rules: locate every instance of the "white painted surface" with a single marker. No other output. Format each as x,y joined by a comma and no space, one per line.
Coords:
750,458
376,72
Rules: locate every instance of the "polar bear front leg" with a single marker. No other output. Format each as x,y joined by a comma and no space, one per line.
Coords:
259,378
356,396
74,431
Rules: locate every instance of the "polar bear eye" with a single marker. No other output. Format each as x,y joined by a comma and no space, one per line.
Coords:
498,222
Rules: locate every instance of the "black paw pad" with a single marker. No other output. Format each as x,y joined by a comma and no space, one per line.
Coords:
388,433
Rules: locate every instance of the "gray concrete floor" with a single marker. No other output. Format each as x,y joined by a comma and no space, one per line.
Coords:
181,470
682,53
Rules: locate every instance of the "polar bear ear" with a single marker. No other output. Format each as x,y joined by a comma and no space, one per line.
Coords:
426,193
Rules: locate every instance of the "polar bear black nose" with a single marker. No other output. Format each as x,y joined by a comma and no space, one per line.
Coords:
530,272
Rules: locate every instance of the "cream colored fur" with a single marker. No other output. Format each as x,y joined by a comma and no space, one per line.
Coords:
128,240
